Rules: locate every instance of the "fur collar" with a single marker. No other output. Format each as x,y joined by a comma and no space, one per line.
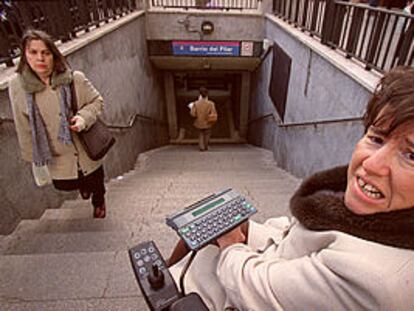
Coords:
32,84
318,205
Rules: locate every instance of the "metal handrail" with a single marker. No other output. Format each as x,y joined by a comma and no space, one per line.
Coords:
132,121
263,117
129,124
305,123
380,38
62,19
318,122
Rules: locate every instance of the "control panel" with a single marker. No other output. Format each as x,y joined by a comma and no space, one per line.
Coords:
153,277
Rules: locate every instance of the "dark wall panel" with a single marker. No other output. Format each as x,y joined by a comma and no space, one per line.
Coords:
279,81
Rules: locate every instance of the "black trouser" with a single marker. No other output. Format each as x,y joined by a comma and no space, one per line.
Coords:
93,183
204,138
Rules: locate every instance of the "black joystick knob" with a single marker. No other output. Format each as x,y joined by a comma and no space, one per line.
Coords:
156,277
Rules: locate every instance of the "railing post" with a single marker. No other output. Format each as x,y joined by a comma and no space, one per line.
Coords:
105,10
339,15
304,14
275,8
328,22
60,28
408,38
132,5
378,26
289,10
83,14
355,18
296,14
94,9
315,15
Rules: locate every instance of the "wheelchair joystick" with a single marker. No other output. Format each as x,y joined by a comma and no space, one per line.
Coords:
156,282
156,277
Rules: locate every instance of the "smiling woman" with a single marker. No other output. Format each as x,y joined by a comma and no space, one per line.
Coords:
350,242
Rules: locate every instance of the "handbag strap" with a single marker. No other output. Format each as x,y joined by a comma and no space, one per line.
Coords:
74,103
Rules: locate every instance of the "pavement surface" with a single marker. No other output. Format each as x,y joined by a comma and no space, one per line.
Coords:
66,260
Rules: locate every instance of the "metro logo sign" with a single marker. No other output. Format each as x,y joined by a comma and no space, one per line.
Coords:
206,48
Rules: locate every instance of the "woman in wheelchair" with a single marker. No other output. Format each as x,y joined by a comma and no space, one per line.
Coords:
350,242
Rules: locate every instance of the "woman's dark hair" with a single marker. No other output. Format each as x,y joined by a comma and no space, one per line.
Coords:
59,62
395,93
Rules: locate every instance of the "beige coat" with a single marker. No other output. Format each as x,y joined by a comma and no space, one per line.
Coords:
67,159
306,270
201,109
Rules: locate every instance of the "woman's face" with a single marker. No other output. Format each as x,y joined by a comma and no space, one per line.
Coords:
381,172
39,58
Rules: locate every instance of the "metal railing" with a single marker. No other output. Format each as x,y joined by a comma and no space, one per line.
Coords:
379,38
304,123
62,19
207,4
133,119
119,126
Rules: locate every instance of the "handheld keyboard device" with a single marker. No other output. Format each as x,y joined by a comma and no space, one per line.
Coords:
209,218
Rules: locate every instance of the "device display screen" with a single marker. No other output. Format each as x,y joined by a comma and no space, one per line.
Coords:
207,207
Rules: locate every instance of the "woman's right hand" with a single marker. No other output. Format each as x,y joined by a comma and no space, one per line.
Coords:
239,236
232,237
77,124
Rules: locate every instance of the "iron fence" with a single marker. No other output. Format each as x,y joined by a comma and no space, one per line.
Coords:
379,38
207,4
62,19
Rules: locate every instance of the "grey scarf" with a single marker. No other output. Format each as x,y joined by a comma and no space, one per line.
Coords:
40,143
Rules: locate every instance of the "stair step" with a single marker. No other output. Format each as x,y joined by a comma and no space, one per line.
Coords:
73,210
78,204
74,242
92,275
69,225
66,260
130,303
223,140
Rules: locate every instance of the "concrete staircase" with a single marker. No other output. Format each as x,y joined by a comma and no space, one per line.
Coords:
66,260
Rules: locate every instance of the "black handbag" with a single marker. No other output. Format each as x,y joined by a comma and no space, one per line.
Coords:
97,140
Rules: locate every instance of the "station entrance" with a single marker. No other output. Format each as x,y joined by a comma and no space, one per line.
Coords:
224,89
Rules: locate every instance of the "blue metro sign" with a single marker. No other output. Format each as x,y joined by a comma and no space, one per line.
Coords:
206,48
